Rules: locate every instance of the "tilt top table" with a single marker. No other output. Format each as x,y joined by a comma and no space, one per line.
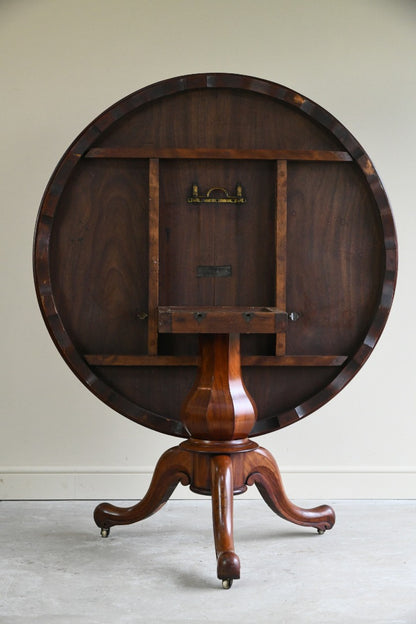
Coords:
215,258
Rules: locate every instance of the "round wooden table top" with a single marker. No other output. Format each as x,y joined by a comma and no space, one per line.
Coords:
215,190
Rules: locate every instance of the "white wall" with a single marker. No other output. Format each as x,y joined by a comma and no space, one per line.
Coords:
62,63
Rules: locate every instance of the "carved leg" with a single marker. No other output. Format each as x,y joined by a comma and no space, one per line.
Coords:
174,466
264,472
228,563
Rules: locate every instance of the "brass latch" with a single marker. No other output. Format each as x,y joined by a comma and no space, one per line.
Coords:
196,198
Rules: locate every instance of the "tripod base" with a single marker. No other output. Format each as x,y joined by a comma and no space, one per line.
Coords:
218,459
221,470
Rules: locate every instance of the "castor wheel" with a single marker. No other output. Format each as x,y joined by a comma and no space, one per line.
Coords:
321,531
226,583
105,532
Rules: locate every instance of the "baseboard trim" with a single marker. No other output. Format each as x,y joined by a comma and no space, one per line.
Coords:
117,482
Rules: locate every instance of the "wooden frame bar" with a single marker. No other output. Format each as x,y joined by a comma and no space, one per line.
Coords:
281,247
219,153
153,302
191,360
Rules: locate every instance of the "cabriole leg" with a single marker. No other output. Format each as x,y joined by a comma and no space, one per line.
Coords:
228,563
264,472
173,467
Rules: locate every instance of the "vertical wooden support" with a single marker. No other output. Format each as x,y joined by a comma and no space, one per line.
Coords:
152,333
281,235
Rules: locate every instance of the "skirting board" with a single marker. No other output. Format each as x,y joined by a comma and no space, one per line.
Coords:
116,483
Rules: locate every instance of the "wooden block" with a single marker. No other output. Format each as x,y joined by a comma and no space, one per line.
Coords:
221,320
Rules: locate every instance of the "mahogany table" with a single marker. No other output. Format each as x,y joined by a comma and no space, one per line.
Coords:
215,258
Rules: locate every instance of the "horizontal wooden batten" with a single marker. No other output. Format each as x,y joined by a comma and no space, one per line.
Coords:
185,360
294,360
221,319
218,153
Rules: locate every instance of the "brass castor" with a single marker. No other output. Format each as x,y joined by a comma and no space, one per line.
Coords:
226,583
105,532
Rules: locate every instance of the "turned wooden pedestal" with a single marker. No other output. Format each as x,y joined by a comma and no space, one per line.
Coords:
218,459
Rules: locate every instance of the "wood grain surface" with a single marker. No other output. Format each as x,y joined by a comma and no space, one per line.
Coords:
116,239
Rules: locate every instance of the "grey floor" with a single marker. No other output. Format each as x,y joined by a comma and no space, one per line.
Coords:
55,568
